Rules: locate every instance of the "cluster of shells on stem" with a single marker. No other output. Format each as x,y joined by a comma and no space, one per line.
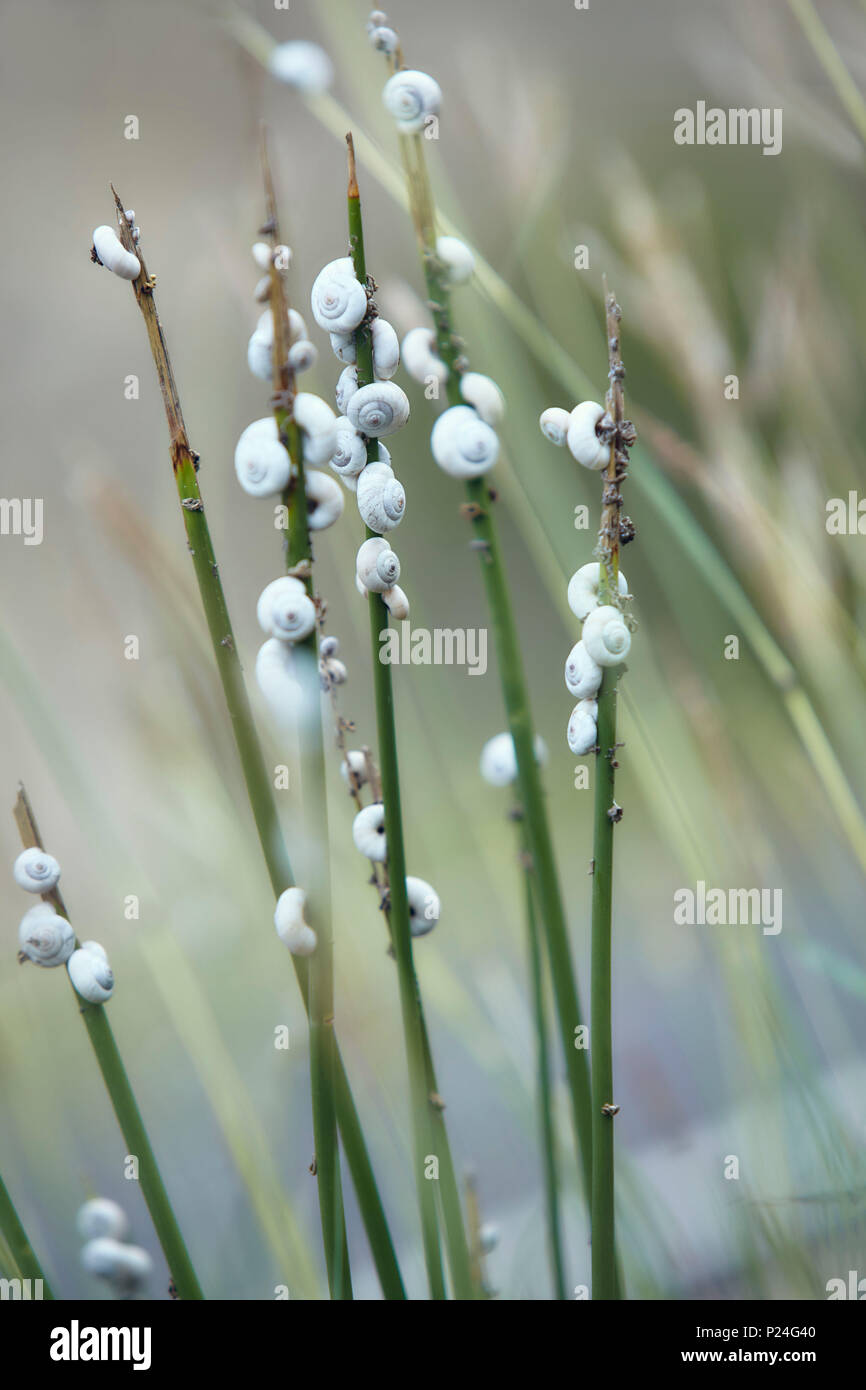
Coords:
47,939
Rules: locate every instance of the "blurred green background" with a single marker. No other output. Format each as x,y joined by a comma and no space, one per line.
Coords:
556,131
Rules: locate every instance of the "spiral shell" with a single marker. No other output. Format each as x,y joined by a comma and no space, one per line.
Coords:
582,674
262,463
35,871
101,1217
457,259
424,906
353,769
285,610
582,732
302,65
606,637
292,928
347,387
337,299
419,356
350,452
333,672
315,418
368,832
262,254
303,355
377,566
384,39
381,498
484,395
276,679
379,409
498,762
324,499
344,347
260,356
91,975
328,647
411,97
583,589
386,349
582,440
45,937
396,602
297,327
462,444
554,423
126,1267
113,255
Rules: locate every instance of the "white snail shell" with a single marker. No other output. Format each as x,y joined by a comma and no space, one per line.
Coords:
482,392
411,97
386,349
113,255
262,463
91,975
462,444
101,1217
396,603
606,636
328,647
302,65
582,440
35,871
384,39
582,733
324,499
260,356
337,299
95,948
355,765
292,928
376,565
582,674
347,387
350,451
381,498
297,327
303,355
262,254
499,761
488,1237
378,409
45,937
368,832
457,259
275,676
285,610
333,672
315,418
554,423
262,291
127,1267
424,906
419,356
583,589
344,347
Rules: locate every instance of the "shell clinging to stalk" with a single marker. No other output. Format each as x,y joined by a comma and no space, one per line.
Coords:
381,498
35,871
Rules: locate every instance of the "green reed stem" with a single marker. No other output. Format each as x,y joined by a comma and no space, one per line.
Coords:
604,1268
122,1097
19,1245
257,781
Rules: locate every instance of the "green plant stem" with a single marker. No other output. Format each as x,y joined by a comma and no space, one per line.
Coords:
257,781
122,1097
430,1137
604,1270
19,1245
545,1098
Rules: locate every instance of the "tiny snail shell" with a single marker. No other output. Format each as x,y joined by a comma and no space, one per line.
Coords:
411,97
384,40
347,387
386,349
292,929
303,355
328,647
297,327
381,498
375,20
582,674
285,610
344,348
350,452
262,255
275,677
482,392
35,871
101,1217
419,356
498,762
462,444
333,672
45,937
324,499
554,423
262,291
582,733
396,603
127,1267
583,589
260,356
424,906
91,976
262,464
113,255
368,832
377,565
488,1237
606,636
378,409
302,65
355,765
319,425
337,299
582,440
457,259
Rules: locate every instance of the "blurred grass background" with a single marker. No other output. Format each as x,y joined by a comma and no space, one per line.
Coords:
556,131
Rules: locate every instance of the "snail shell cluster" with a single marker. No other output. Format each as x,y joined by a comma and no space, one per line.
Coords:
292,927
578,430
111,253
101,1217
412,97
605,642
462,443
498,763
125,1267
91,973
368,832
302,65
286,611
419,356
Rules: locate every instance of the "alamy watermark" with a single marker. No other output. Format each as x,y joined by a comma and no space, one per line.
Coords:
738,125
22,516
441,646
718,907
